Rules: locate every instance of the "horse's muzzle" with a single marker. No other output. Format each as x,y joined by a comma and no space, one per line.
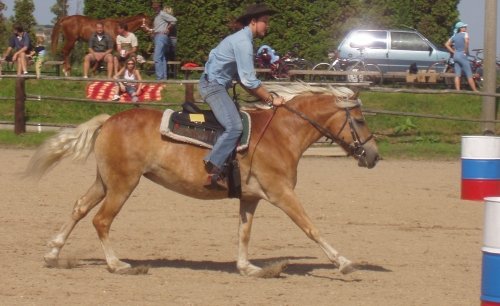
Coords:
370,156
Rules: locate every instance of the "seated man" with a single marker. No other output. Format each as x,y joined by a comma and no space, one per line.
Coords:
100,49
21,44
126,45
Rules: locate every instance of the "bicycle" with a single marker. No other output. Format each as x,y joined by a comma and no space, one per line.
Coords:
336,64
355,65
359,65
293,61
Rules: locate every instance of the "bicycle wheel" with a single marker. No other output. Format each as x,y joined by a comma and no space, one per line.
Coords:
322,67
376,79
356,67
293,66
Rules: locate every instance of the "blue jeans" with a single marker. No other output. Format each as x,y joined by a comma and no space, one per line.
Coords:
228,116
161,45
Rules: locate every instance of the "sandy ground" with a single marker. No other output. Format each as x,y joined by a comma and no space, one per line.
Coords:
403,223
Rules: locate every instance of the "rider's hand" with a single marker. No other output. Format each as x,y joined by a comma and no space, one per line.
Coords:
279,100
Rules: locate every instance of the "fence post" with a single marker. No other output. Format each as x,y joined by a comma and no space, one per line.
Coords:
19,109
489,102
189,92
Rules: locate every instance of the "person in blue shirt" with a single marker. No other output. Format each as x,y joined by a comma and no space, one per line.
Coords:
233,59
458,45
20,44
163,24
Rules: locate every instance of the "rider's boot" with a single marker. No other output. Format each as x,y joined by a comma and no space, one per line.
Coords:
215,179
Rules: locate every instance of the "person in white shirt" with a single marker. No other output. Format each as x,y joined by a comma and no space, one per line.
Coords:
130,73
126,46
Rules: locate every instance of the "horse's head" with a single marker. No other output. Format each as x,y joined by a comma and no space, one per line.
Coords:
348,127
137,21
336,114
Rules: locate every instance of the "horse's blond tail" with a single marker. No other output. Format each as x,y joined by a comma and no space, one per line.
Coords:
77,143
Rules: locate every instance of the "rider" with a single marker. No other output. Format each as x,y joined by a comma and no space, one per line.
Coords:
231,59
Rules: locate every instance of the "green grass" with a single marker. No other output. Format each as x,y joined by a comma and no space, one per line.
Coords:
397,136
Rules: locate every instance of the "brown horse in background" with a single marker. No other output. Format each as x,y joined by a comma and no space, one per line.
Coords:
78,27
129,145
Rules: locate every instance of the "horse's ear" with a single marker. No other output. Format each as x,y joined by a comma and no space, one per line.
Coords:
356,94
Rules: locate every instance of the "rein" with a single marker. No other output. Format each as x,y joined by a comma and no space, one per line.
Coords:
355,149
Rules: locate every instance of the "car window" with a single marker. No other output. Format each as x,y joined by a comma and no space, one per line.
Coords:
408,41
369,39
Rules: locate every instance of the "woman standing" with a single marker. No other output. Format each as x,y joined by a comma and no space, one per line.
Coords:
458,45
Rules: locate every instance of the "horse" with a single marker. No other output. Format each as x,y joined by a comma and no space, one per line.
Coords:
78,27
128,145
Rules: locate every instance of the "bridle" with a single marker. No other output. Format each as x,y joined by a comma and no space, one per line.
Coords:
355,148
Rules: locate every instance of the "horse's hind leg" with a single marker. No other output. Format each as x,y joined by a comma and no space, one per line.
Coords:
247,210
117,193
93,196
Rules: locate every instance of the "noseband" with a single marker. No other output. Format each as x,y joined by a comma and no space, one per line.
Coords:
355,148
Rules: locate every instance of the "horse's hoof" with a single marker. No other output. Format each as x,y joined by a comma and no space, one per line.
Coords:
51,261
346,267
118,266
249,270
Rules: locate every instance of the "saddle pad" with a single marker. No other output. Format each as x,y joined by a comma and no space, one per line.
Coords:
167,129
100,90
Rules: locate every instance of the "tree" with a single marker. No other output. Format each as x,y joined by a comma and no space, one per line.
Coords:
23,15
316,25
4,33
60,9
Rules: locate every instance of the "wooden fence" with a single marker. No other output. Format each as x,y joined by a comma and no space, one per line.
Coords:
21,96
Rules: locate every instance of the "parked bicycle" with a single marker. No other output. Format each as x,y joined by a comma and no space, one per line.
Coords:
355,65
448,66
336,64
293,61
359,65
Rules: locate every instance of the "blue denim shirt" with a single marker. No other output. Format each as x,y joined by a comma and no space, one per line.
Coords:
232,58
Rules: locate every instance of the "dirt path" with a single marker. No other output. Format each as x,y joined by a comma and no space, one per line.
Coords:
403,223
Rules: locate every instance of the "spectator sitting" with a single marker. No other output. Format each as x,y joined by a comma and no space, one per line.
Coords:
126,45
21,44
129,72
100,49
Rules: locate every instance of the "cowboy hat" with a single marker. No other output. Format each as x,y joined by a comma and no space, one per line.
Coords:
255,10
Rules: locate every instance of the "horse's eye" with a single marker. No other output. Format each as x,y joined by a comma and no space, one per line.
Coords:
360,120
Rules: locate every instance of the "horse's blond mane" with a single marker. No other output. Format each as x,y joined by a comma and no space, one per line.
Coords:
343,94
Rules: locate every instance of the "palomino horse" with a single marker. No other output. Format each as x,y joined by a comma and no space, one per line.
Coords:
77,27
129,145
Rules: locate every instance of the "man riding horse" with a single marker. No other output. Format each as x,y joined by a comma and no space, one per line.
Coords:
233,57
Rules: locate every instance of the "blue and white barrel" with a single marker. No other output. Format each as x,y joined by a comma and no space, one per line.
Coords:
480,167
490,280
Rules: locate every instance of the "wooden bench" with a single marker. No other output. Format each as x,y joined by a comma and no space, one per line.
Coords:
54,64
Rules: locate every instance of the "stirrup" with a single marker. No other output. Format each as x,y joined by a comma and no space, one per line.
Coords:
215,182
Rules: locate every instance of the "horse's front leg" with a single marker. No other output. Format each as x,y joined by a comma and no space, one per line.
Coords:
247,210
289,203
